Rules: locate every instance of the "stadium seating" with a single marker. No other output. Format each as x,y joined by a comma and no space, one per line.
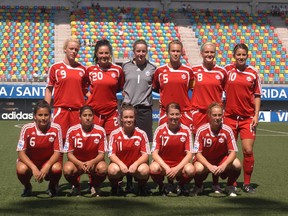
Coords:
122,30
226,28
26,42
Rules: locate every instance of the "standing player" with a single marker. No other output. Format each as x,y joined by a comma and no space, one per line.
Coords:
215,148
67,79
208,87
243,99
39,148
173,81
172,153
128,152
137,88
106,79
86,145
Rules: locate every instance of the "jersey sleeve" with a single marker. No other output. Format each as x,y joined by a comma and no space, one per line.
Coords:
156,141
155,82
189,142
257,87
231,142
112,146
51,76
58,143
198,145
103,143
121,80
145,147
69,143
22,143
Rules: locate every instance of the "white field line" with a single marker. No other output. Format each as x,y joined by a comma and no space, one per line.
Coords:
277,132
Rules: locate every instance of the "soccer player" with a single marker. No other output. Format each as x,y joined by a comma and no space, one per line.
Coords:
174,80
85,145
208,87
172,153
243,99
215,148
106,79
128,152
67,79
137,88
39,148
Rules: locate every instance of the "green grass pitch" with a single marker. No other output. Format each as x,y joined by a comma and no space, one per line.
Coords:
270,178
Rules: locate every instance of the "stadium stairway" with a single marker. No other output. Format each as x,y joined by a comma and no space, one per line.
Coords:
280,29
62,32
188,38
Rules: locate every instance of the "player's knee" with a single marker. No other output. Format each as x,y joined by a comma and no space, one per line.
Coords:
189,170
143,169
113,169
101,168
22,169
68,168
237,164
198,168
155,168
56,168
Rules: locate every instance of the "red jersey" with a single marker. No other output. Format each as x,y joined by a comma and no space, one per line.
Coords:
208,86
70,85
85,146
105,83
173,85
172,146
39,146
241,88
214,147
128,149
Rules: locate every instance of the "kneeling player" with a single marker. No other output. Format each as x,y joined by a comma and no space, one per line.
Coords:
215,148
86,145
39,149
172,153
128,152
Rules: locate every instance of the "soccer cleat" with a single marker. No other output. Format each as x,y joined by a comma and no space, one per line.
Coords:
117,191
217,189
168,190
27,192
75,191
181,191
51,192
95,192
143,191
230,190
249,189
129,188
196,191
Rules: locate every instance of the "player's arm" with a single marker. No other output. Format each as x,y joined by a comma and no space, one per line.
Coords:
184,161
47,166
26,160
221,168
156,157
257,101
71,157
48,94
201,159
143,159
115,159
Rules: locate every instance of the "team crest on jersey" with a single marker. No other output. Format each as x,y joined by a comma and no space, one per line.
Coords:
220,140
165,71
113,75
249,79
183,139
147,73
96,141
119,138
183,76
137,143
217,77
81,74
51,139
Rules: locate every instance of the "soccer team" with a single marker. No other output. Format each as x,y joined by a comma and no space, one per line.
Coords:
86,123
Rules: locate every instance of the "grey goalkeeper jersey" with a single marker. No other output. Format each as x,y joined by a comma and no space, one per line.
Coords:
138,83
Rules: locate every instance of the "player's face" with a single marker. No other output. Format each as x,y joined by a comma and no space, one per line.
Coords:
240,56
42,118
71,50
140,53
174,116
103,55
86,118
208,54
175,52
128,119
216,116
